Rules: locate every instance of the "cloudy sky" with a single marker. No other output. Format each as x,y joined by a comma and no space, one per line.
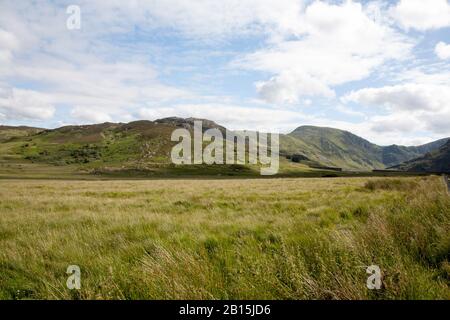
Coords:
380,69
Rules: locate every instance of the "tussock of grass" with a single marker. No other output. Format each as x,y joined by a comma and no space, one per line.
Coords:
225,239
391,184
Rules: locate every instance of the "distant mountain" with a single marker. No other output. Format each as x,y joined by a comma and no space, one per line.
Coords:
333,147
339,148
394,154
146,144
435,161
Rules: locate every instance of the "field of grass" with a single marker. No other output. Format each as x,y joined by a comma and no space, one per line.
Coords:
285,238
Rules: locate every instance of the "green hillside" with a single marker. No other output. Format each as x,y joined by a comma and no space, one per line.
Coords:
143,148
333,147
435,161
393,155
137,149
106,146
339,148
8,132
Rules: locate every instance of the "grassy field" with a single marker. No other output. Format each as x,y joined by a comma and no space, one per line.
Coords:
225,239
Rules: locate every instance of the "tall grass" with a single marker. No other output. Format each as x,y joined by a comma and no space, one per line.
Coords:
225,239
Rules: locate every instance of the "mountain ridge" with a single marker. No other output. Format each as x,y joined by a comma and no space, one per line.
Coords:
437,161
344,149
145,141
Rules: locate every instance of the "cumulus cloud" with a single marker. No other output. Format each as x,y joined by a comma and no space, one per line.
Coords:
206,19
409,97
438,122
112,88
342,43
90,114
18,104
237,117
348,111
8,44
422,15
402,122
234,117
101,83
116,68
74,69
289,87
85,69
442,50
410,107
8,40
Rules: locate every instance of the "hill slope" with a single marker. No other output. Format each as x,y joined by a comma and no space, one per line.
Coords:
335,147
339,148
9,132
434,161
106,143
135,148
146,145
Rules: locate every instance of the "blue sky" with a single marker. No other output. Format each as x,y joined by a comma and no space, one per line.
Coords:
380,69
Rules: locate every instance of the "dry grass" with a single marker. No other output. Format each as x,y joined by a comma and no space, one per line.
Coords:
225,239
391,184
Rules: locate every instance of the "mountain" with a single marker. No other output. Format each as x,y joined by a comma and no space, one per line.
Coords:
125,149
333,147
146,145
435,161
339,148
394,154
122,144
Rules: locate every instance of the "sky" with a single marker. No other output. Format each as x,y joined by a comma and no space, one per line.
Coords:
380,69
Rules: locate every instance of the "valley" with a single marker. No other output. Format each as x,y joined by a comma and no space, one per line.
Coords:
142,149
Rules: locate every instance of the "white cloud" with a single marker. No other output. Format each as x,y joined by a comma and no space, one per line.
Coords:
410,107
90,114
77,68
348,111
422,15
113,69
233,117
236,117
437,122
8,44
409,97
438,75
442,50
18,104
289,87
205,19
5,57
114,89
401,122
107,84
342,43
8,40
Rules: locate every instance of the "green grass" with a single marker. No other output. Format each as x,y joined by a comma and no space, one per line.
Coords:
225,239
